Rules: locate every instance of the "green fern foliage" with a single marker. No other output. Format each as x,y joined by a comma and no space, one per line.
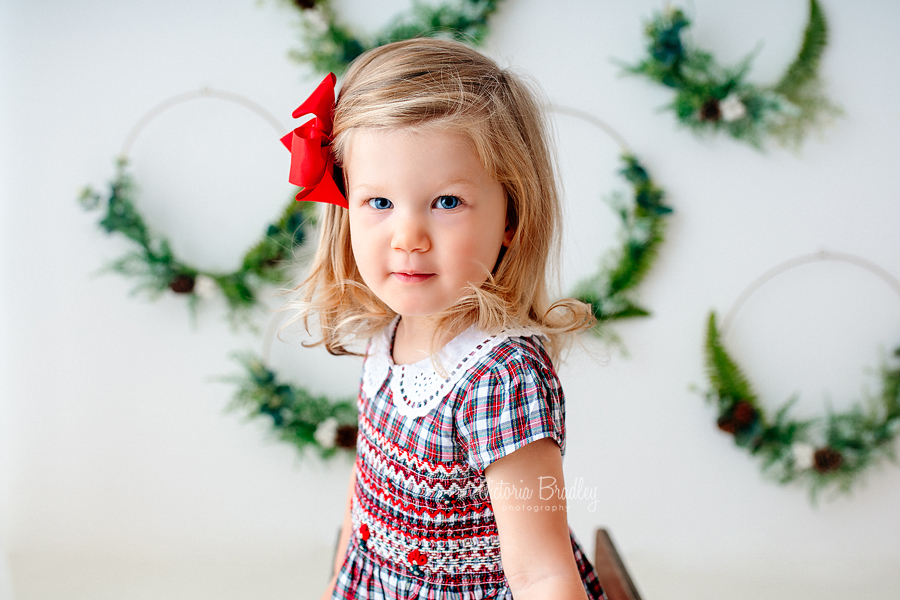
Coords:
643,224
711,98
828,453
305,420
805,68
157,270
726,376
329,45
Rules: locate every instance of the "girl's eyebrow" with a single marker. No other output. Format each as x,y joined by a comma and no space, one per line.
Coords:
467,181
364,187
448,183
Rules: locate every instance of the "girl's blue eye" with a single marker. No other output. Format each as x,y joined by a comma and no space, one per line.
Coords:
448,202
380,203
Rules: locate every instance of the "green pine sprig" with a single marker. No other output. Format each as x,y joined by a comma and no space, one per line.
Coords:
726,376
156,269
841,446
295,414
804,71
329,45
802,86
712,98
610,292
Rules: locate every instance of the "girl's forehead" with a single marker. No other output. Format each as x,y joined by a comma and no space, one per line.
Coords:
387,146
417,133
428,135
388,160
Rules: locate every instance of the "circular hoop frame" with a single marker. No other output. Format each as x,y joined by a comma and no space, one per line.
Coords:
153,262
711,98
822,255
205,92
845,445
610,292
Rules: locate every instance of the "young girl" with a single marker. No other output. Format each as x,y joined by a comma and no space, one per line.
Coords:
441,221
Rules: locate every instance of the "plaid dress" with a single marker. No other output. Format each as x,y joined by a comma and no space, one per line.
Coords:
423,526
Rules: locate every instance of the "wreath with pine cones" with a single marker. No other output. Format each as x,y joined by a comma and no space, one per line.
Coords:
154,264
826,453
303,419
158,270
329,45
711,98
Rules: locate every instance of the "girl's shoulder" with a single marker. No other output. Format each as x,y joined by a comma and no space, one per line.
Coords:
512,398
515,351
416,388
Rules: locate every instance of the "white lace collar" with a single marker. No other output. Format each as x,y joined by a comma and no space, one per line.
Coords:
417,388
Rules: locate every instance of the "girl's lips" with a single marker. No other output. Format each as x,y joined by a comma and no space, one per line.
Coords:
412,277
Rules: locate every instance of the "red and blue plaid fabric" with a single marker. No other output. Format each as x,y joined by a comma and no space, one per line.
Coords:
423,526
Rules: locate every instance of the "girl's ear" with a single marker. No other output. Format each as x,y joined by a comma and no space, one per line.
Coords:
512,221
508,234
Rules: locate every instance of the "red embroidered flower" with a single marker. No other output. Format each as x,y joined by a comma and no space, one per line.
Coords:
417,558
364,532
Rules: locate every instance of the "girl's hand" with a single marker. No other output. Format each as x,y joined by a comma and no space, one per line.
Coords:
531,520
329,591
344,539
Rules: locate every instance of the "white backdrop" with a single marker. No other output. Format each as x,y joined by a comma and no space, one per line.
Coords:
121,474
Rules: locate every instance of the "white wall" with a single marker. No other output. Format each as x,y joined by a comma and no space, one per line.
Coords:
121,474
6,429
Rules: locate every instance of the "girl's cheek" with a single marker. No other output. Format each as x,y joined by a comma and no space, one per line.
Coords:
354,218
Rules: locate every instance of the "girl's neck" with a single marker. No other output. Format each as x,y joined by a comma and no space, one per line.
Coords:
413,340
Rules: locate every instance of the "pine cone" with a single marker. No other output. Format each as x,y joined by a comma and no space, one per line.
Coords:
182,284
726,423
710,110
743,414
827,459
345,436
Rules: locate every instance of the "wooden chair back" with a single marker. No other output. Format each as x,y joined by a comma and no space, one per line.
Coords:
611,570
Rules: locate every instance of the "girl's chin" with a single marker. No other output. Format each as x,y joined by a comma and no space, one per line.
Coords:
417,313
412,315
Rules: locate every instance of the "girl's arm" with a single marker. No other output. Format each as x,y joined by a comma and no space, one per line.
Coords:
343,540
531,520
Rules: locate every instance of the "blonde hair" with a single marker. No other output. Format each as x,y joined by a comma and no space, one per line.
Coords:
427,82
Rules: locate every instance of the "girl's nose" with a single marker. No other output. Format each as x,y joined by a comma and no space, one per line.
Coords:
410,235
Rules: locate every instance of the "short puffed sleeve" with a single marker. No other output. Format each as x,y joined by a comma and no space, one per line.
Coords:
513,398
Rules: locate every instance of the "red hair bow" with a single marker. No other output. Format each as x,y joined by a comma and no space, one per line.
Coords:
312,167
